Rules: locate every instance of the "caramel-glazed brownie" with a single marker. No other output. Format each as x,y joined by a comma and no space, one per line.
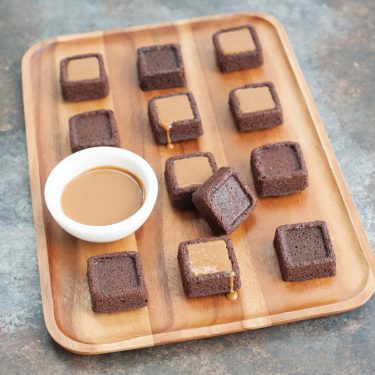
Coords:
185,173
237,48
83,77
208,267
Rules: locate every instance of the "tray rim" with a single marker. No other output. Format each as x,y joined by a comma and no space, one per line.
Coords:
79,347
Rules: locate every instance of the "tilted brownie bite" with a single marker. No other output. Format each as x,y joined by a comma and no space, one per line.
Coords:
160,67
83,77
224,200
116,282
92,129
237,48
279,169
174,117
208,267
305,251
255,106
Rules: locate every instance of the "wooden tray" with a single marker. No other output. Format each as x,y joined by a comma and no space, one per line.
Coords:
265,300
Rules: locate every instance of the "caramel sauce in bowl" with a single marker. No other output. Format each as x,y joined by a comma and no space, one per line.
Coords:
105,169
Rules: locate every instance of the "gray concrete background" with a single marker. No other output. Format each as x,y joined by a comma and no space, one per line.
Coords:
335,45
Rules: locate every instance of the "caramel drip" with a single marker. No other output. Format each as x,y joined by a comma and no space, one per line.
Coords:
173,109
167,129
232,295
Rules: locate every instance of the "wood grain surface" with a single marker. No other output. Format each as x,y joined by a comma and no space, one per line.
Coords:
264,299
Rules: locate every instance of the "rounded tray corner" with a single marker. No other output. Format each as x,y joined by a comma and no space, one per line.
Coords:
37,46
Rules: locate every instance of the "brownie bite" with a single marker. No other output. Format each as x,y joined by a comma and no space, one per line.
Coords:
83,77
174,117
208,267
237,48
279,169
185,173
116,282
255,106
92,129
160,67
224,200
305,251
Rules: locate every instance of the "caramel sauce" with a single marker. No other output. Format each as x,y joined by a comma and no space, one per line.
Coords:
192,171
173,109
232,295
81,69
102,196
209,257
255,99
236,41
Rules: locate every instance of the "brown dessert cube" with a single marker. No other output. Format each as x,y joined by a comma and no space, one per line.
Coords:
116,282
83,77
224,200
92,129
161,67
279,169
184,173
174,117
255,106
208,267
305,251
237,48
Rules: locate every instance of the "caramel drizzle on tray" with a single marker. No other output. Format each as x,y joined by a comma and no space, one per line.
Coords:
232,295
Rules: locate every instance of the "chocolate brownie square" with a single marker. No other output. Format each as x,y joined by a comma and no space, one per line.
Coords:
184,173
83,77
174,117
224,200
116,282
279,169
305,251
160,67
92,129
255,106
208,267
237,48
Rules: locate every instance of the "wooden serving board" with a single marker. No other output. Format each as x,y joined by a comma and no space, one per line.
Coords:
264,299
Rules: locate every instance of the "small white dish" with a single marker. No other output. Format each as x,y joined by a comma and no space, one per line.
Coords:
80,162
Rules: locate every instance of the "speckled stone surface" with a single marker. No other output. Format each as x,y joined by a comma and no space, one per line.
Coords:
334,42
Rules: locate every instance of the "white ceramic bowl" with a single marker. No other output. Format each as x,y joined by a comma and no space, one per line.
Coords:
81,161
